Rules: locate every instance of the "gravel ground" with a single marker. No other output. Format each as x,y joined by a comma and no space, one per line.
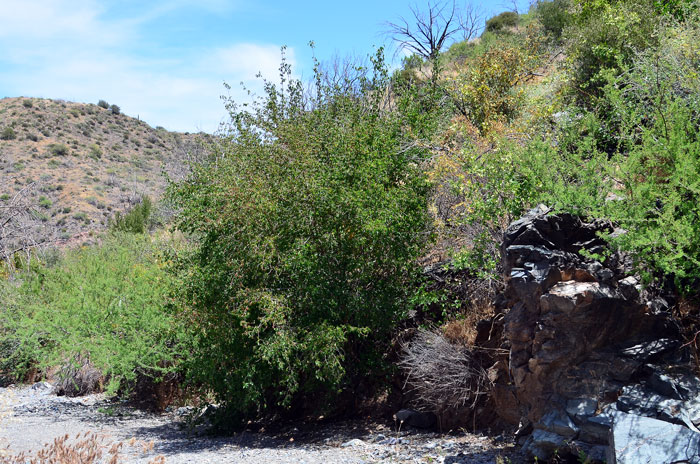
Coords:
31,416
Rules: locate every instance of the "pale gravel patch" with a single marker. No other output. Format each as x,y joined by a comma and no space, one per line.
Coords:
31,416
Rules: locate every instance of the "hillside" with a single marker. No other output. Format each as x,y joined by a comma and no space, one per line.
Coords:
76,164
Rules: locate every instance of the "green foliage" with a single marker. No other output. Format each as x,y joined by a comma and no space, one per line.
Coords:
604,40
95,151
58,149
8,133
487,90
420,100
115,109
679,9
659,170
503,21
137,220
459,51
414,61
555,16
44,202
27,103
308,220
103,104
660,203
635,161
105,303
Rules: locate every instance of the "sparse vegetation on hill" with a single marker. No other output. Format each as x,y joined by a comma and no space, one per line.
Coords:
89,163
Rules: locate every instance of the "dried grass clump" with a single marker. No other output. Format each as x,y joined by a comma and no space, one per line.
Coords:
445,375
463,331
91,448
79,377
460,331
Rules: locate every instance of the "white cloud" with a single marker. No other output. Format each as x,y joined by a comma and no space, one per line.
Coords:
31,21
70,50
249,59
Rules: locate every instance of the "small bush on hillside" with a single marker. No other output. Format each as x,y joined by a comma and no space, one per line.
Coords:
8,133
137,220
44,202
554,15
604,40
486,88
115,109
103,104
27,103
95,151
503,21
59,149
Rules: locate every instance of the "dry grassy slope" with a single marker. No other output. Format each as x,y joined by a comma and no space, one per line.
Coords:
111,160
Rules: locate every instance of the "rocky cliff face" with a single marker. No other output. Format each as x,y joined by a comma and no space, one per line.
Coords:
593,356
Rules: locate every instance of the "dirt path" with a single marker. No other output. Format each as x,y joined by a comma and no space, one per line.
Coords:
31,416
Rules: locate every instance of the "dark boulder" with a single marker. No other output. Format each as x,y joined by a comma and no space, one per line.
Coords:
588,344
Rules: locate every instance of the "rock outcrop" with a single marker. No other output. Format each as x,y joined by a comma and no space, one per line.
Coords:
595,362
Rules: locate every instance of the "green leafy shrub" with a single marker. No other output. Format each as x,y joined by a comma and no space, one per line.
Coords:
419,99
27,103
503,21
8,133
81,216
604,40
103,104
95,151
115,109
659,169
104,303
498,186
308,220
59,149
487,87
554,15
44,202
137,220
661,197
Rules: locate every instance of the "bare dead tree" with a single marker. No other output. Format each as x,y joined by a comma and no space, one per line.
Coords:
21,230
187,152
345,74
471,21
513,5
427,32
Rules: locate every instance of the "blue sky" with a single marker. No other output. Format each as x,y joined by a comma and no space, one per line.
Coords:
166,61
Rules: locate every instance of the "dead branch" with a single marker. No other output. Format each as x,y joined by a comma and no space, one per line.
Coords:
426,33
444,375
